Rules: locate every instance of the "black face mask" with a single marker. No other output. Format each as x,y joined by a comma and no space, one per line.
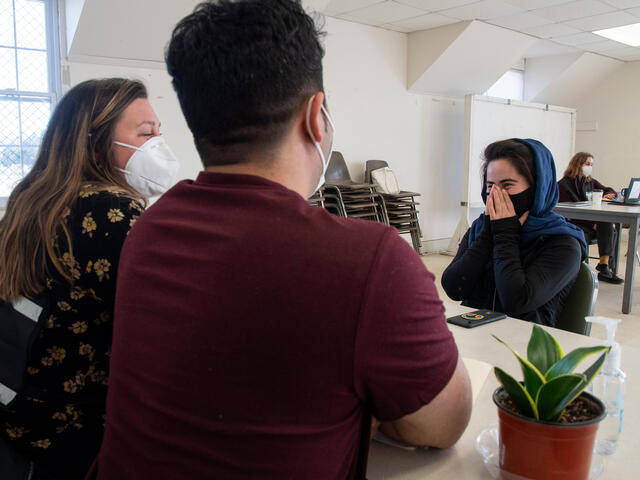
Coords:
522,201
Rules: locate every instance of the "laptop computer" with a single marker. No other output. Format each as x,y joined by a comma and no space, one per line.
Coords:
631,194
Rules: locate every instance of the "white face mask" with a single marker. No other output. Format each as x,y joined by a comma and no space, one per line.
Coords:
323,159
152,168
587,170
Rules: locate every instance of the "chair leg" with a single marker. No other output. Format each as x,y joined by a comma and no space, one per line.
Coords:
417,244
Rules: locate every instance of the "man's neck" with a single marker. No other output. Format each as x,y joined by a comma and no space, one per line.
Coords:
277,175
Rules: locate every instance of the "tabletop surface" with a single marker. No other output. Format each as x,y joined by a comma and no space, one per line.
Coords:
462,461
617,209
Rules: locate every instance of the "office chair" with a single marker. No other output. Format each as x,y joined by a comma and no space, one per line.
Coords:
580,302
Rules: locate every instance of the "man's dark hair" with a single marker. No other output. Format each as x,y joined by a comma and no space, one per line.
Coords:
241,69
519,155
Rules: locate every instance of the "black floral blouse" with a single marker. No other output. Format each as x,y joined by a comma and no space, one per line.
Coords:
62,427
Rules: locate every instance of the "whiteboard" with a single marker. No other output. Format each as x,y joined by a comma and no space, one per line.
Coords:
488,119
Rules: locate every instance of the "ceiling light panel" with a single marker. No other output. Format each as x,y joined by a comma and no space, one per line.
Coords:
629,34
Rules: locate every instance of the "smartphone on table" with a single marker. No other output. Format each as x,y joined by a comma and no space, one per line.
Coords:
476,318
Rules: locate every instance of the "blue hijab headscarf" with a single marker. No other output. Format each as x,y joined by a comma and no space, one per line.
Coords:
542,220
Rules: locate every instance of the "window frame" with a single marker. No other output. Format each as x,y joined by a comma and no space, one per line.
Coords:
54,69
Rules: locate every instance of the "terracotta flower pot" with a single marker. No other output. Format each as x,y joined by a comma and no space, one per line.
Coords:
539,450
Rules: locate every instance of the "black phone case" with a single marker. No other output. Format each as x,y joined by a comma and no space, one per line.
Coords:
476,318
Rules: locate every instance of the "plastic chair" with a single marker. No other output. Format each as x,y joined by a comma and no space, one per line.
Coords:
349,198
580,302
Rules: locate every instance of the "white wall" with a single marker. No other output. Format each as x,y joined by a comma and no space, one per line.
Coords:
421,137
376,118
615,105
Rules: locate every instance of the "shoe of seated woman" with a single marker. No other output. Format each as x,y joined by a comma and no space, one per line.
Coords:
606,275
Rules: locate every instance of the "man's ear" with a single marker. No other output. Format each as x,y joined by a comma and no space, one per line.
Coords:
314,120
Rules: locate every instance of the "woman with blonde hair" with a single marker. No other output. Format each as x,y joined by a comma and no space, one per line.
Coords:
60,242
575,186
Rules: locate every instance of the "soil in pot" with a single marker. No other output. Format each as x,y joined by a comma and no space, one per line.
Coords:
580,410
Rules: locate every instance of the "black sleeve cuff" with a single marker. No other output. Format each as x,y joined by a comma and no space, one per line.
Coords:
506,225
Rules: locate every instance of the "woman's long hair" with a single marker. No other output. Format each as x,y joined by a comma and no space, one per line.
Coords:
76,151
574,169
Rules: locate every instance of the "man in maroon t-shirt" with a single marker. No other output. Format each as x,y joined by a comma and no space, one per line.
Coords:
256,336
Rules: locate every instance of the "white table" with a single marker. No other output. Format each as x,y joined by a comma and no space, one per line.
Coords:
462,462
611,213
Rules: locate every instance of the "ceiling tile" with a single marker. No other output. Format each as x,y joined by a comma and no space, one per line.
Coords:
396,28
533,4
573,10
578,39
623,51
551,31
351,18
482,10
337,7
519,20
623,3
634,11
435,5
628,53
545,48
599,22
603,46
425,22
386,12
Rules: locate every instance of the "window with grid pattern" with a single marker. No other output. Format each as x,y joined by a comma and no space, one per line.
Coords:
29,83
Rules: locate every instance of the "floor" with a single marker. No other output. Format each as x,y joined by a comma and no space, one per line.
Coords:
608,303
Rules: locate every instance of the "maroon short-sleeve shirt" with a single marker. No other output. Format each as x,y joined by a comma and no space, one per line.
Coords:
254,333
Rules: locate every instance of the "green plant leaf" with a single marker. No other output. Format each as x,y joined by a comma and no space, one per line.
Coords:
589,374
556,394
570,361
593,370
517,393
543,350
533,378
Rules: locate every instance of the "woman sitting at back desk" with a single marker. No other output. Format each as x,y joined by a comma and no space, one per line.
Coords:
575,184
518,257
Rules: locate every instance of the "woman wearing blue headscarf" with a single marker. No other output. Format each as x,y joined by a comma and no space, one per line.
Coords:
519,257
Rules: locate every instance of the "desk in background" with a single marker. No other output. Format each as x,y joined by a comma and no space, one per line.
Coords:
462,462
617,214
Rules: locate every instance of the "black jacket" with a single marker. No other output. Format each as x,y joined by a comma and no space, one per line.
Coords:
574,189
495,272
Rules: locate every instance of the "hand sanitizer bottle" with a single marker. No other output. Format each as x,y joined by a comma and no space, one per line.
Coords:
608,386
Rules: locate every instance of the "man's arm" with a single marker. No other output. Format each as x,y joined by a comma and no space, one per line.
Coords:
407,367
442,421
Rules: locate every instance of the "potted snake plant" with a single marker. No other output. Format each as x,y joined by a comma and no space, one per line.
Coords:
547,423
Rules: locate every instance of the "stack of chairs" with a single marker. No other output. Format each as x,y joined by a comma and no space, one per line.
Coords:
329,202
401,208
343,197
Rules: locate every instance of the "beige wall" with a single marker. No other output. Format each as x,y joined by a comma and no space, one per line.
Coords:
615,106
